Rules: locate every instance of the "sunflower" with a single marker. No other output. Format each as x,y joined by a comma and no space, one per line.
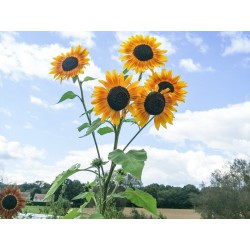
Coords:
156,103
71,64
113,99
165,81
11,202
142,53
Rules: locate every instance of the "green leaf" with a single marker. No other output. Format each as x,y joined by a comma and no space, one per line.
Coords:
142,199
95,124
132,162
116,156
72,214
83,126
125,77
105,130
130,120
88,112
87,195
61,178
75,78
88,78
119,195
96,216
125,71
67,95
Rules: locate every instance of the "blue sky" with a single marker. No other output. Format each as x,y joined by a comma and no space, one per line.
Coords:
39,139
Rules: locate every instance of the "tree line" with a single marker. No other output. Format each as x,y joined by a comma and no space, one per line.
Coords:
166,196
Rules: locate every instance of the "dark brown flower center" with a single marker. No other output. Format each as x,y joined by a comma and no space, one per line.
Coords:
118,98
164,85
70,63
9,202
154,103
143,52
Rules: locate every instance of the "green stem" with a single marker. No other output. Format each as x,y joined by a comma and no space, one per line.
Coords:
89,120
138,133
106,184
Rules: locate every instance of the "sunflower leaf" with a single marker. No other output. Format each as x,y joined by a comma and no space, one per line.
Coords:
75,78
105,130
132,162
142,199
72,214
96,216
61,178
130,120
67,95
88,78
88,112
95,124
125,71
87,195
83,126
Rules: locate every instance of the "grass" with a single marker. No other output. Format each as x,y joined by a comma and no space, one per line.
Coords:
34,209
166,212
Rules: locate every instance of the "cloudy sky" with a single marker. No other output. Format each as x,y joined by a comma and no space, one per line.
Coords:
39,138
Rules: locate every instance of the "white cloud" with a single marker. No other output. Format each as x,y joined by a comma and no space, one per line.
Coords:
28,125
197,41
39,102
42,103
224,129
84,38
189,65
239,43
35,88
169,167
62,106
21,60
76,122
7,126
14,150
5,112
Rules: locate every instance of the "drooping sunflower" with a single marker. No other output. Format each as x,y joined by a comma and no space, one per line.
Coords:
70,64
11,202
156,103
113,100
142,53
165,80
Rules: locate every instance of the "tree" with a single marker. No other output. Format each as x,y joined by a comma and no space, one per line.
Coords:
228,196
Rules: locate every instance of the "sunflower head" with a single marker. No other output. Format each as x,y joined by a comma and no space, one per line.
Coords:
11,202
142,53
70,64
113,99
154,102
166,83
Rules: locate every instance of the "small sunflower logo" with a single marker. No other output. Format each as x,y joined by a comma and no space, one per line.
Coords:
11,202
71,64
113,99
142,53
